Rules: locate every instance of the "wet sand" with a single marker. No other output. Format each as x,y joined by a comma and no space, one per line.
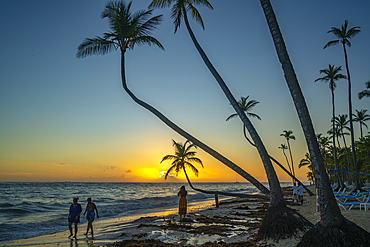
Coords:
233,223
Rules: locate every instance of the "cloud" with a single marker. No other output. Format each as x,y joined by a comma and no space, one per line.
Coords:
66,164
129,171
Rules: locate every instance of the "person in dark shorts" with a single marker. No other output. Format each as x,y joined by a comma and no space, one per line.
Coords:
182,203
90,216
74,216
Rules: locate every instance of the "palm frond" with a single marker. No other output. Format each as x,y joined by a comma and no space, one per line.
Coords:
331,43
95,46
193,168
169,170
195,14
160,4
231,116
168,157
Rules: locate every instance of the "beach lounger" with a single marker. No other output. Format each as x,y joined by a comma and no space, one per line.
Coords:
340,193
366,205
352,204
358,196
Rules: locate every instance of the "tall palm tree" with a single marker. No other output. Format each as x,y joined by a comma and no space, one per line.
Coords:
361,117
277,207
332,74
285,147
366,92
329,228
343,36
288,134
183,158
126,31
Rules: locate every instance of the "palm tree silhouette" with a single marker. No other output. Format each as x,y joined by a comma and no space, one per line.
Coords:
332,221
331,76
246,106
343,36
361,117
288,134
183,158
366,92
126,31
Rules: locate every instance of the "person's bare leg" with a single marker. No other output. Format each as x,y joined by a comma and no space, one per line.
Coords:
76,229
70,229
91,227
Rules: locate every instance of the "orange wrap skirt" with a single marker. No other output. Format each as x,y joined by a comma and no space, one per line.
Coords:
183,206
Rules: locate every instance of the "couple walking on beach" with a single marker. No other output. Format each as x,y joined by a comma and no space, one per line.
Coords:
298,193
75,211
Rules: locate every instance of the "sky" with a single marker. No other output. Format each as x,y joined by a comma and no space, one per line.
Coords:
69,119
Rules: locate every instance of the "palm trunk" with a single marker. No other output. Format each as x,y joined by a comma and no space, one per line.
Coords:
348,162
189,137
275,189
328,230
287,161
281,166
350,119
334,147
279,221
291,156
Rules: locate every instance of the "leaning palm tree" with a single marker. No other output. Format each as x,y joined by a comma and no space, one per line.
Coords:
366,92
288,134
343,36
333,229
126,31
332,74
281,220
361,117
183,158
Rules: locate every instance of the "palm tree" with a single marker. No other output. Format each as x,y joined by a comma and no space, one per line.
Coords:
247,107
183,158
366,92
307,162
329,228
342,122
277,208
284,147
127,30
288,134
331,76
361,118
343,36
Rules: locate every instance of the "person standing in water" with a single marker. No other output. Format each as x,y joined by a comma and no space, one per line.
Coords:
90,209
74,216
182,203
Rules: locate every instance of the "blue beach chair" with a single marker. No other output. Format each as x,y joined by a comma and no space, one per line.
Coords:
358,196
352,204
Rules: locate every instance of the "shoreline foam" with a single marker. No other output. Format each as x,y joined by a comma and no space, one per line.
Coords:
205,224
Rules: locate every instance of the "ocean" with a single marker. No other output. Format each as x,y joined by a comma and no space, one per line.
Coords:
34,209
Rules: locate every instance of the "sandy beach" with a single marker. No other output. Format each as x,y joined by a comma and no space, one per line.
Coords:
234,223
